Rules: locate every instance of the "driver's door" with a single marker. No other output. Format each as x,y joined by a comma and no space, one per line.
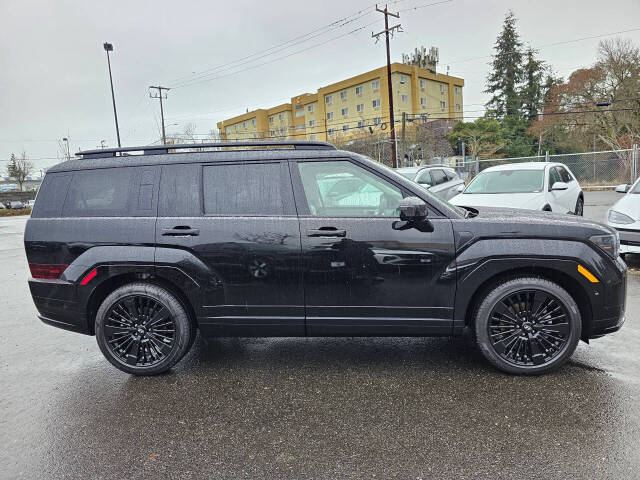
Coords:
362,277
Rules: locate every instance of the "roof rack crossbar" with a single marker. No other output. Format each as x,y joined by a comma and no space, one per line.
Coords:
164,149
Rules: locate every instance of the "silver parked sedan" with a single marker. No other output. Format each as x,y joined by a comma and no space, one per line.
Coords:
438,179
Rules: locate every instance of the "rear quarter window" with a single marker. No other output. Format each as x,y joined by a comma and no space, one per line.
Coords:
51,195
100,193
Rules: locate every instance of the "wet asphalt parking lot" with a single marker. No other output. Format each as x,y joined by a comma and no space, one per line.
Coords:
309,408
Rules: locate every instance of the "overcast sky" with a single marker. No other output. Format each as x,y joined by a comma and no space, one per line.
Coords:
54,79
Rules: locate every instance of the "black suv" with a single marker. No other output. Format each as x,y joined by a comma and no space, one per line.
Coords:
143,247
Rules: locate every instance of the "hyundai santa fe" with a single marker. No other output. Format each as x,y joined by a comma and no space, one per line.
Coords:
143,247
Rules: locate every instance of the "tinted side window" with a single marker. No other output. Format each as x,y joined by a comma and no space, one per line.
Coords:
99,193
424,178
554,177
564,175
438,176
243,189
180,191
451,175
51,195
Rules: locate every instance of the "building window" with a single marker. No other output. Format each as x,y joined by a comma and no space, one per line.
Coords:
331,131
312,123
375,85
345,128
423,83
360,108
228,130
253,122
300,127
457,90
244,124
271,120
404,98
255,135
235,128
328,99
423,101
362,124
343,95
403,79
313,137
376,103
458,107
299,113
281,116
359,90
442,89
283,131
443,105
377,121
272,133
329,115
310,108
344,112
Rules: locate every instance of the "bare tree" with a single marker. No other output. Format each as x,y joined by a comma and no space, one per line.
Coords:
19,168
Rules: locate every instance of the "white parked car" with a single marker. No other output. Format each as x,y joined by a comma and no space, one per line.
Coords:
533,186
624,216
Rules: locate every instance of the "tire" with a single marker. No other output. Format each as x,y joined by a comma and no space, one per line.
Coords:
518,334
143,329
579,211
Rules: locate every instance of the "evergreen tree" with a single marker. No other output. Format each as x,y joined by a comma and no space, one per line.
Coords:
533,89
504,80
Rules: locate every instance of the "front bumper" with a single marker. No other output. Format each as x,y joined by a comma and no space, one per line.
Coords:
629,240
609,315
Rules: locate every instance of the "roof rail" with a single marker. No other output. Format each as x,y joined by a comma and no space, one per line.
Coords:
165,149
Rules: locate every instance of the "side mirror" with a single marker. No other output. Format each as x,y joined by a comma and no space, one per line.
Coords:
559,186
412,209
624,188
460,188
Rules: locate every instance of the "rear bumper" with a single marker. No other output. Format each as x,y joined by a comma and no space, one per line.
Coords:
56,303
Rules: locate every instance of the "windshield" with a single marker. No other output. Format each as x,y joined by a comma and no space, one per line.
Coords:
410,174
507,181
635,188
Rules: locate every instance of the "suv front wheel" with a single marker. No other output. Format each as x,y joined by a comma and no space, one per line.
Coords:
528,325
143,329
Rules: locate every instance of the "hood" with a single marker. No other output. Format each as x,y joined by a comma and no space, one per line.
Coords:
533,201
629,204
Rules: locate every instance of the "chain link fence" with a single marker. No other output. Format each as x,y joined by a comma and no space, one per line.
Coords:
592,169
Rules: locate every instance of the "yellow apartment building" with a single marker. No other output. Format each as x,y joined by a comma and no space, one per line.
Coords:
356,106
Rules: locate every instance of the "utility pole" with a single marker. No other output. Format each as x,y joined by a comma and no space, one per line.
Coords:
108,47
387,31
160,96
404,137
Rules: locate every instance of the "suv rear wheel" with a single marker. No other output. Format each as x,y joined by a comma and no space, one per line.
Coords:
528,325
143,329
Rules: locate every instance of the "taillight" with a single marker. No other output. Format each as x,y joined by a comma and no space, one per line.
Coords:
48,271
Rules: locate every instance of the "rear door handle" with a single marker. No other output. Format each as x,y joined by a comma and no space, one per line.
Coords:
180,231
326,232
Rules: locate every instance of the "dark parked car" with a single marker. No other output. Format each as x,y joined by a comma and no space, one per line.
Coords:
438,179
301,239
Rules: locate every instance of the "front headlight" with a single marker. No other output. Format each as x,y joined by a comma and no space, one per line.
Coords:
609,243
617,217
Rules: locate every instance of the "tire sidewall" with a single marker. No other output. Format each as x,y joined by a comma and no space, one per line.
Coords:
183,336
512,286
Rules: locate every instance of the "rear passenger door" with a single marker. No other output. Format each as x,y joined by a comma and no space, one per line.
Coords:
438,184
238,222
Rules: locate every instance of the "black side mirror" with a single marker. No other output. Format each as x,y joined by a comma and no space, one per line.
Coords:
412,209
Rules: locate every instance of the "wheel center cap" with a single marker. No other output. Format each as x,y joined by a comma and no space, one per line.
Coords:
142,330
527,327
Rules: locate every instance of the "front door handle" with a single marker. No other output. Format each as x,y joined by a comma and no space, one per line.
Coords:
326,232
180,231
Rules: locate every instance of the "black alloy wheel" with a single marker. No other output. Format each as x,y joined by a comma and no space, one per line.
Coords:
527,325
143,329
140,330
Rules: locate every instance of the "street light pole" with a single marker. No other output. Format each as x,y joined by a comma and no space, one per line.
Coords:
108,47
